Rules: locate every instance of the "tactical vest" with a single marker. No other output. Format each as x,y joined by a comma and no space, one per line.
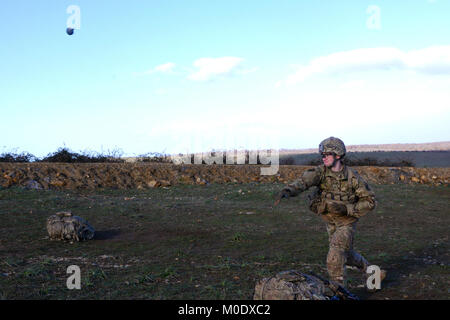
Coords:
347,196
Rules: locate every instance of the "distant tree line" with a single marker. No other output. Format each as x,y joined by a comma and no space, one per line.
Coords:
64,154
356,162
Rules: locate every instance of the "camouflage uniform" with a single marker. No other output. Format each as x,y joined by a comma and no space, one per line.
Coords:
347,191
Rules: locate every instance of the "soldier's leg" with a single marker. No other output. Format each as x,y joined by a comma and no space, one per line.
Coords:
354,258
331,228
341,239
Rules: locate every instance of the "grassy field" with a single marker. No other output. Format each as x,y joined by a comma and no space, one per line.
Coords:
214,242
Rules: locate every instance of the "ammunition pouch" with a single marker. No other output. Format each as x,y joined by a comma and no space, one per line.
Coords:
346,198
318,200
316,204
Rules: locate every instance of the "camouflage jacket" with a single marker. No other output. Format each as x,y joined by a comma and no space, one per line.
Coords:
346,187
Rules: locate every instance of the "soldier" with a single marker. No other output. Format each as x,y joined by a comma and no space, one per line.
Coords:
342,197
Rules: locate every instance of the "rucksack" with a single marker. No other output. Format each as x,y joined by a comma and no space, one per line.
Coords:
64,226
295,285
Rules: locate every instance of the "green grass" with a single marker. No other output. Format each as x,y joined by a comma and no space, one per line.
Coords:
213,242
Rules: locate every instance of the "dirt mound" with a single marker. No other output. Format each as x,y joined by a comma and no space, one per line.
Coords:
150,175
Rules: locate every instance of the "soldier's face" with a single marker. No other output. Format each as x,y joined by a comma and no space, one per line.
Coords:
328,159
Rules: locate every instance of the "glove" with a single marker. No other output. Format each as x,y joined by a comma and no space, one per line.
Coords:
318,206
285,193
336,207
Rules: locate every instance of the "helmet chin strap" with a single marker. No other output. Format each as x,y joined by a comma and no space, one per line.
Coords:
335,160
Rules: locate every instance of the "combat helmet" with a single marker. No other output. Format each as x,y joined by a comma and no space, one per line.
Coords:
334,145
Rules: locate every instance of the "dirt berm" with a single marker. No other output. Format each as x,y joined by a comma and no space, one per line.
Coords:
150,175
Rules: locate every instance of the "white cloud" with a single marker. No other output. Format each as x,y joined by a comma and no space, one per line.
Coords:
432,60
162,68
167,67
356,109
247,71
208,68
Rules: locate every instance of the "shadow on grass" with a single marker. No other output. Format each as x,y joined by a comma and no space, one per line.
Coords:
106,234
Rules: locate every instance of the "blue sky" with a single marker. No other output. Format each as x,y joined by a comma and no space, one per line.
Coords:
188,76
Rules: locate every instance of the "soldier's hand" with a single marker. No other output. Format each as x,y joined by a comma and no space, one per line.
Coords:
322,207
336,207
285,193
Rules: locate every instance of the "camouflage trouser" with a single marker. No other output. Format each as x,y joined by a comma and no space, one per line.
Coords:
341,252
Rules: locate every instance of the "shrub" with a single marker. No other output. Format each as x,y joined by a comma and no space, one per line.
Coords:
65,155
13,157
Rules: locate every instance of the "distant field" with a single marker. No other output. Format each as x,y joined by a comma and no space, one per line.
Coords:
431,146
421,159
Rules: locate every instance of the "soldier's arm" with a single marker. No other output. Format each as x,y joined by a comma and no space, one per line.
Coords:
366,198
310,178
